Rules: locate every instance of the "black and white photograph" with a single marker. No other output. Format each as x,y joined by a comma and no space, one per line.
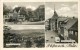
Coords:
23,36
23,25
40,24
23,13
61,22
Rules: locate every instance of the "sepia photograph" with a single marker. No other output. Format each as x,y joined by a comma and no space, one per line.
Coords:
40,24
23,13
23,36
61,25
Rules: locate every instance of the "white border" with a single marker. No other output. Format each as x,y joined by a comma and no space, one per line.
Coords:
55,48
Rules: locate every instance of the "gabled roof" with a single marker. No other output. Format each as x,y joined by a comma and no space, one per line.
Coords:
62,18
70,23
74,27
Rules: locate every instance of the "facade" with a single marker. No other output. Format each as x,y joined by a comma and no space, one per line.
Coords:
21,18
72,29
54,21
73,32
48,26
69,27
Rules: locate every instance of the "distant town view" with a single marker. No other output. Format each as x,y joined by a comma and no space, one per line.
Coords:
23,38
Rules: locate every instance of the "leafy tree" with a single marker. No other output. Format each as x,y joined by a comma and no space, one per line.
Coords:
40,12
6,10
30,13
23,11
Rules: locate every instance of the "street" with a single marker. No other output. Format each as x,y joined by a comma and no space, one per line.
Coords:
50,36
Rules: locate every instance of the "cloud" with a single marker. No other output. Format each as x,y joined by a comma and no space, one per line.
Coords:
68,11
32,7
64,5
14,6
48,9
48,12
63,9
75,7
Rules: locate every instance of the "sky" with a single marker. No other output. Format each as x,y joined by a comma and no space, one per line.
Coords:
69,9
32,5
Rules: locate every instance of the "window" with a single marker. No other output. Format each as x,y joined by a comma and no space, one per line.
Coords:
76,33
71,32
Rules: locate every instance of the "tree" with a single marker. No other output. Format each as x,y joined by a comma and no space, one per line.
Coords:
6,10
6,34
40,12
30,14
17,9
6,29
22,11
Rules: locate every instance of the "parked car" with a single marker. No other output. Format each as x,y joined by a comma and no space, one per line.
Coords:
57,39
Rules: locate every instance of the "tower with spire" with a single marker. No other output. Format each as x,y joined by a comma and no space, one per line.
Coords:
54,21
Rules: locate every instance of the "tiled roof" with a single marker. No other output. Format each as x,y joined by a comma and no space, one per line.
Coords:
74,27
70,23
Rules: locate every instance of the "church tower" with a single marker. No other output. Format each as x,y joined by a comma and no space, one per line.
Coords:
54,21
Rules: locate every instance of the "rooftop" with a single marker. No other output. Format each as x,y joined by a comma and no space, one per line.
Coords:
71,22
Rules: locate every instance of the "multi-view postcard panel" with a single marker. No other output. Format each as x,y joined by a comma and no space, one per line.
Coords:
36,24
61,22
24,24
24,37
22,13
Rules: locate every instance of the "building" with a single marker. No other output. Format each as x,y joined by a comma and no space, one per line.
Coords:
47,24
10,17
71,29
7,17
66,27
54,21
73,32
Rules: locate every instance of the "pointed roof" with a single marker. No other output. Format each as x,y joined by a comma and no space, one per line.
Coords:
55,16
